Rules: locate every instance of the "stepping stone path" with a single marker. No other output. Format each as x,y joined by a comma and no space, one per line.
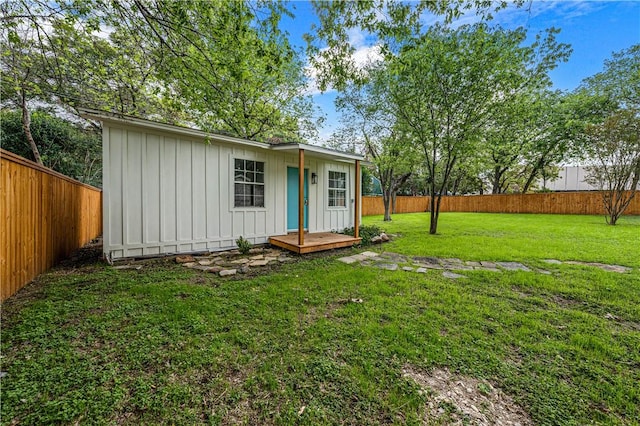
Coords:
394,261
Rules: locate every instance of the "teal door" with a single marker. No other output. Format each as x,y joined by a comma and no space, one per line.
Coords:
292,199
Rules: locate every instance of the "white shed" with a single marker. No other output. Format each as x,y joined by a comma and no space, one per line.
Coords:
170,189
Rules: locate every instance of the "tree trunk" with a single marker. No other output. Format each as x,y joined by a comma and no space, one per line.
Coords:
393,202
26,126
433,213
386,200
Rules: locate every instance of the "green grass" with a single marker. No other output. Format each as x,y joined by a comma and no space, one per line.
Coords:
169,345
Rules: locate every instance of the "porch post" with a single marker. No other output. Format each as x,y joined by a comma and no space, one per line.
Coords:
301,197
356,221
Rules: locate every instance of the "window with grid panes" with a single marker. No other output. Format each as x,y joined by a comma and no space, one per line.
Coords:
248,183
337,189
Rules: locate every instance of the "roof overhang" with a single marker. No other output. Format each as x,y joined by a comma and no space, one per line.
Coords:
317,151
293,148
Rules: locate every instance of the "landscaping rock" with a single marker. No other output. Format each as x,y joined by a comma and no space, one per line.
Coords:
513,266
185,259
214,269
270,258
205,262
3,374
407,268
348,260
421,270
257,257
189,264
486,264
448,274
244,269
552,261
227,272
283,259
201,268
240,261
120,267
376,240
259,263
384,237
472,264
256,250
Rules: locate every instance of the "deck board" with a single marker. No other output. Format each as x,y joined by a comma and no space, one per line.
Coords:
313,242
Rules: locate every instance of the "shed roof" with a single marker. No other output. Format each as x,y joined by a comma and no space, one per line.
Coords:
122,120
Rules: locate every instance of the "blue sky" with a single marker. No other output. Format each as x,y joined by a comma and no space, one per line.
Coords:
595,29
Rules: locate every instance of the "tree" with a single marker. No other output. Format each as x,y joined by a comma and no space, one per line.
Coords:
448,84
615,148
391,22
227,65
620,79
366,118
69,149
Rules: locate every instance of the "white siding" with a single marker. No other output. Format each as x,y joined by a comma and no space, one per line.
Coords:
167,194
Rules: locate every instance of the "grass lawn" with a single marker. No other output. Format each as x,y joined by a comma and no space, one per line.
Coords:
165,344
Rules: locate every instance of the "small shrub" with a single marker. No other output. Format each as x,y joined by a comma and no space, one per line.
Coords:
243,245
366,233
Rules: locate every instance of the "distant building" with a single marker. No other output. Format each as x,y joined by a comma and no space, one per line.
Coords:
570,178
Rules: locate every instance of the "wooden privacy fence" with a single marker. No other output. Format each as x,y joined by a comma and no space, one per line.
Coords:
45,217
551,202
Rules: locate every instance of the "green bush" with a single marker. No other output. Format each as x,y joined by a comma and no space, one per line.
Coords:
243,245
366,232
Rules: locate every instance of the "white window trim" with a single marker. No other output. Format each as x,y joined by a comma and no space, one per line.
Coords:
232,181
346,190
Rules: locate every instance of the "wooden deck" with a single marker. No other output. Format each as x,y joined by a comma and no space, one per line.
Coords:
313,242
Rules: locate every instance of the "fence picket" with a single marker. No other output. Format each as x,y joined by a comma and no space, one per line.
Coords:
41,219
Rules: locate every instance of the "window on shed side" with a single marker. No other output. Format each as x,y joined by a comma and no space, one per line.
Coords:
337,189
248,183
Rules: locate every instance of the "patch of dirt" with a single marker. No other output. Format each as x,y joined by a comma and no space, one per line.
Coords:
459,400
87,255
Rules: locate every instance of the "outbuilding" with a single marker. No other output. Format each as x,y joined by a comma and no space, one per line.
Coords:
170,189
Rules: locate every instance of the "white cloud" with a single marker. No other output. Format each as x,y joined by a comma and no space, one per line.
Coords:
513,16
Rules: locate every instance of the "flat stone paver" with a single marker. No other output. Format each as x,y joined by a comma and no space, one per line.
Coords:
262,262
227,272
369,254
429,265
456,267
136,267
420,264
513,266
205,262
448,274
387,266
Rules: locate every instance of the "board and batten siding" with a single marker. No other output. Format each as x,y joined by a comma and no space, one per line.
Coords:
168,193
